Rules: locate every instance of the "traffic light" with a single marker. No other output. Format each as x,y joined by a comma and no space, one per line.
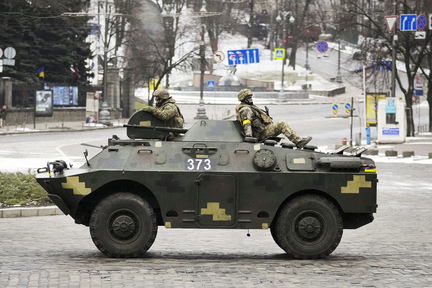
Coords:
286,40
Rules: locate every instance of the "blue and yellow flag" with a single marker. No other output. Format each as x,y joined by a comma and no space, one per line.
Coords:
40,72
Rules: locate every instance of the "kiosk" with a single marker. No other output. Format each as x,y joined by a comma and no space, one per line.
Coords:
391,121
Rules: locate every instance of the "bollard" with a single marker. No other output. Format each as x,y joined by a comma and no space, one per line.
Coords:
368,140
344,141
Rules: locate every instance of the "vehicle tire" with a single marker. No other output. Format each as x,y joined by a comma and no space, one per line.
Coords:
273,234
308,227
123,225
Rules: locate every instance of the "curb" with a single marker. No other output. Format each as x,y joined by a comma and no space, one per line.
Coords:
30,212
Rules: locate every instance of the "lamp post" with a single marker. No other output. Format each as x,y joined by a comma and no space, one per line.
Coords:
285,44
339,75
104,114
307,66
201,112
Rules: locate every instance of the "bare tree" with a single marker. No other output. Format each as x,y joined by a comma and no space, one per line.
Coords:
412,52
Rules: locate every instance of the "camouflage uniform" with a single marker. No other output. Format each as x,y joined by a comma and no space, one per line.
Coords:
256,123
166,110
170,113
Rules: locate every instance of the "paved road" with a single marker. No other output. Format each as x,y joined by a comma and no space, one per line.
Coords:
394,251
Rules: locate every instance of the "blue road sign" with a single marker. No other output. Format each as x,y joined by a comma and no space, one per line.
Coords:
418,91
322,46
279,53
211,84
347,106
408,22
382,65
421,22
244,56
335,107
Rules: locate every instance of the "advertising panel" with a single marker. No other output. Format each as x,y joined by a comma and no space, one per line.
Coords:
44,103
65,95
372,107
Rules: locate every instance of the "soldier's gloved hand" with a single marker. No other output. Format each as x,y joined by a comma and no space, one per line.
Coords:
148,109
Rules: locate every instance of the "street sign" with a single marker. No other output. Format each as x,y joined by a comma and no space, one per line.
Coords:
408,22
9,53
430,21
391,21
211,84
244,56
382,65
335,108
420,35
218,56
348,108
322,46
279,53
421,22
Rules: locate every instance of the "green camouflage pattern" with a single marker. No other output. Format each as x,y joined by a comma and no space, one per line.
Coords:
256,123
211,178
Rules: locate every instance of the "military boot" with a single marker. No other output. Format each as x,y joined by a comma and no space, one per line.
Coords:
302,143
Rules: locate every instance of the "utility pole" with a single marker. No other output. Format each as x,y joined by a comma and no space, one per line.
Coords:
394,39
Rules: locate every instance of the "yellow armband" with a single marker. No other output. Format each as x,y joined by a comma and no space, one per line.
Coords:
246,122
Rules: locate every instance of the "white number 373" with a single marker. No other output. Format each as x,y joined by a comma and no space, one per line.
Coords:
199,164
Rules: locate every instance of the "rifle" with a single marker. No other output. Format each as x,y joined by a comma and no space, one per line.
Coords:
157,128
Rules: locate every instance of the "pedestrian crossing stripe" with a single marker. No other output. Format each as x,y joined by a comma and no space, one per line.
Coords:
279,53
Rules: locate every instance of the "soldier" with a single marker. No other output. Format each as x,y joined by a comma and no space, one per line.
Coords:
257,122
166,110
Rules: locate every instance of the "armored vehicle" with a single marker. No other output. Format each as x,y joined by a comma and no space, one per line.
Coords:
212,177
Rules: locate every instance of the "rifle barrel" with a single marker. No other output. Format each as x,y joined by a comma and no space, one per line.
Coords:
157,128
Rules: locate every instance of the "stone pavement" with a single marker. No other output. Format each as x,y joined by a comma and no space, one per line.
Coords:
393,251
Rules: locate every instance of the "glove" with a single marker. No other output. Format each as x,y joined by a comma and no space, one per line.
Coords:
149,109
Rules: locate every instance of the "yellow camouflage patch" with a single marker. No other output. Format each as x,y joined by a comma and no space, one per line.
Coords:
77,186
359,181
217,212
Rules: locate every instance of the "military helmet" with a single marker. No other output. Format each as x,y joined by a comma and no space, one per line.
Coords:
161,93
243,93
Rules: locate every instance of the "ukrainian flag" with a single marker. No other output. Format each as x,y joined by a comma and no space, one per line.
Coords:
40,72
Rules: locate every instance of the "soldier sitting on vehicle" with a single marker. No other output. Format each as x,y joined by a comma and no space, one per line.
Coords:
258,124
166,110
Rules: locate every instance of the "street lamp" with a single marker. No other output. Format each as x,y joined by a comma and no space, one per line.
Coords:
201,112
104,114
339,75
284,36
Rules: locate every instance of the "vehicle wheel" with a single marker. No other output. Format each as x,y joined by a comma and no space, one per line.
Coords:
308,227
273,234
123,225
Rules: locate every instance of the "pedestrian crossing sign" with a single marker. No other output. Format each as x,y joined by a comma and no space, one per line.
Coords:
279,53
210,84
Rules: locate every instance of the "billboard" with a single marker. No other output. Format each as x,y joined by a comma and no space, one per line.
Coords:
65,95
372,107
44,103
